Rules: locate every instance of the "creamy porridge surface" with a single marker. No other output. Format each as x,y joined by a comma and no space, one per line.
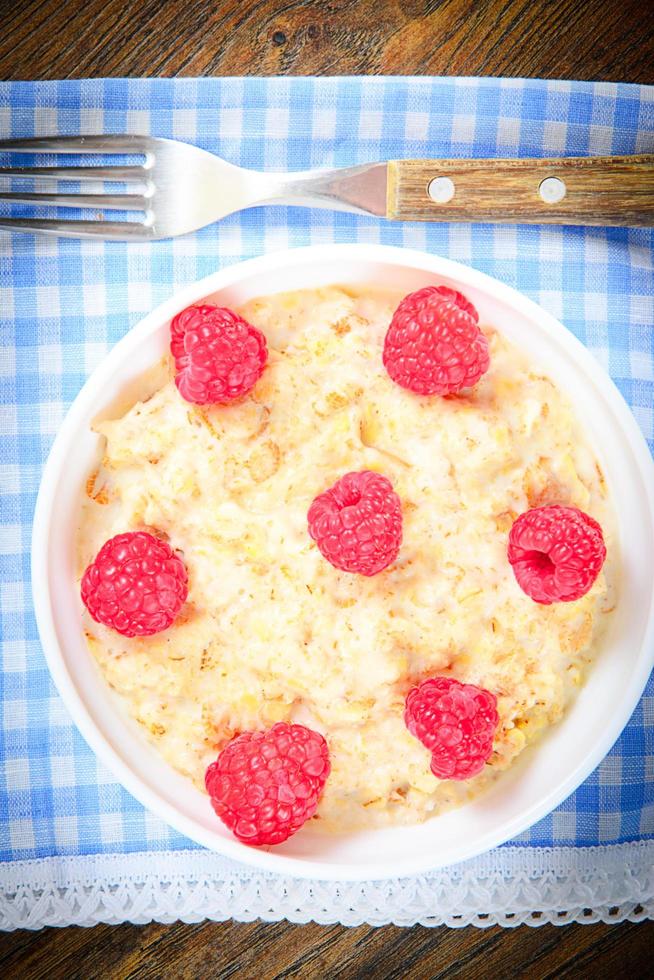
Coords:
271,631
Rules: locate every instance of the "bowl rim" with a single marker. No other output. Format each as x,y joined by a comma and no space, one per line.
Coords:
64,443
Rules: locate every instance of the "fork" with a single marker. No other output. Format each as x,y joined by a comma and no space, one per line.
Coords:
178,188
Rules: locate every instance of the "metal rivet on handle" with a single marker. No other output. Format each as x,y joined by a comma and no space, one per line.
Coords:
552,190
441,190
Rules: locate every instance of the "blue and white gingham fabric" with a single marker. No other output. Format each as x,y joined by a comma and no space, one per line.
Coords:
64,303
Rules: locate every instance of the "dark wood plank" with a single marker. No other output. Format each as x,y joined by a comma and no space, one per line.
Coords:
279,950
595,39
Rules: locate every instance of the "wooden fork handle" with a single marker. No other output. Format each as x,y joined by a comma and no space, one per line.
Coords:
572,190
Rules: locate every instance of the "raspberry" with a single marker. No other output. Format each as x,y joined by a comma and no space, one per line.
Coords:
136,584
434,345
556,553
456,722
218,355
357,523
265,785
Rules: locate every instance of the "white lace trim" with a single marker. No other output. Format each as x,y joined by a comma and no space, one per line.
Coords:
508,886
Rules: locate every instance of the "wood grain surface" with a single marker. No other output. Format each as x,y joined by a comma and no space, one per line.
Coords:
598,191
584,39
260,951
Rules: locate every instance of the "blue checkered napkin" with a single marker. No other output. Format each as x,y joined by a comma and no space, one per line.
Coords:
64,303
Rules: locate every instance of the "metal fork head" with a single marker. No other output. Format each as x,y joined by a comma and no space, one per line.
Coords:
180,187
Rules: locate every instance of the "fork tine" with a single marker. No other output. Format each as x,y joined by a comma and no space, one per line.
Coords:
117,202
104,230
110,143
78,173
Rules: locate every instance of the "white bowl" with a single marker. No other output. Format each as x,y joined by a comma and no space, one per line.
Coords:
547,772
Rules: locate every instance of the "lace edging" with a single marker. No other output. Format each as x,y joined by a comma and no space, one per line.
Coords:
508,887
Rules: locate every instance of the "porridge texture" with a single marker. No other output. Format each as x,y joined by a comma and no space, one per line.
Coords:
271,631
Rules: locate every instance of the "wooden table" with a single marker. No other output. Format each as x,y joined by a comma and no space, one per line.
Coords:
592,39
586,39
